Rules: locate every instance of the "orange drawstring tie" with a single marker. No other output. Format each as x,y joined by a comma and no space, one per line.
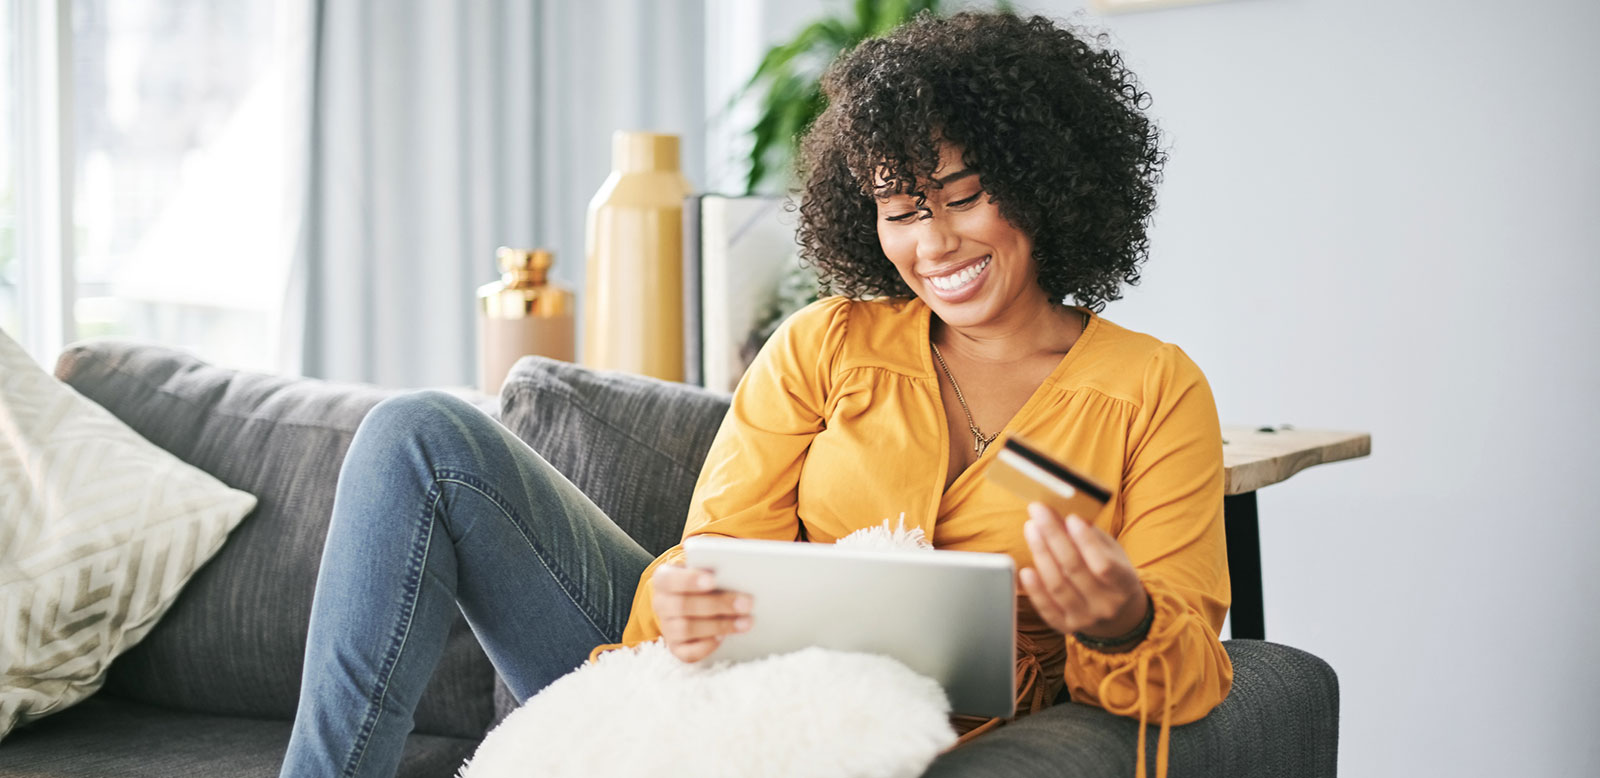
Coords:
1141,705
1031,690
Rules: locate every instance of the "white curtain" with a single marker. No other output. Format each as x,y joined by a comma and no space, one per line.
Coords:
438,130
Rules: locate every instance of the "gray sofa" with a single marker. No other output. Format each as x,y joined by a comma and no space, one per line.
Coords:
211,691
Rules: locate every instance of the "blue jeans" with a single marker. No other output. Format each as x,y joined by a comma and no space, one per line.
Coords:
440,507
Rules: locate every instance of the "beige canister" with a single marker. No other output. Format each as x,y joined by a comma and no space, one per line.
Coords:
633,292
521,314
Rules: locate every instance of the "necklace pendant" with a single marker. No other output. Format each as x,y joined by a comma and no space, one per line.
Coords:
978,443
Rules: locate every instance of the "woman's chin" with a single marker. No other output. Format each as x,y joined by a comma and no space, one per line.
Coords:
971,312
960,307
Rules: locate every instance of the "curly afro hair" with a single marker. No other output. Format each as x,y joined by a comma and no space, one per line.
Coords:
1054,125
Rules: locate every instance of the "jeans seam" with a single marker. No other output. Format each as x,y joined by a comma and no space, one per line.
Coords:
401,633
563,581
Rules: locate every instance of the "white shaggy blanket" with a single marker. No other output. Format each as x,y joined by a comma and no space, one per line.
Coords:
814,712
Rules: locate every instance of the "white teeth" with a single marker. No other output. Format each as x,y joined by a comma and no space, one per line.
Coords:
959,279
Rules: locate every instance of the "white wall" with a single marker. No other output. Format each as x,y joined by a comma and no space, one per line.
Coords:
1385,216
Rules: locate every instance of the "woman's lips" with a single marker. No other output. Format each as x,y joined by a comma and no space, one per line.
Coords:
962,284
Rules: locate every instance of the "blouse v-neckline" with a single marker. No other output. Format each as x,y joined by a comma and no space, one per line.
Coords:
925,331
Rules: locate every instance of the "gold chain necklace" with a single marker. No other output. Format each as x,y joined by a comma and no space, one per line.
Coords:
979,440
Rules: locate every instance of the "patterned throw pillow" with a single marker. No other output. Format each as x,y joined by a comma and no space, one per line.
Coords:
99,530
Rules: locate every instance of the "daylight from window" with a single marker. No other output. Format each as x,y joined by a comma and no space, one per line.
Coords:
180,128
10,267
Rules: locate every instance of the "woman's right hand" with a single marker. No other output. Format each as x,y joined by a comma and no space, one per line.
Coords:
693,613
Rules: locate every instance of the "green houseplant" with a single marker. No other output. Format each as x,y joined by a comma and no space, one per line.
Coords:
789,80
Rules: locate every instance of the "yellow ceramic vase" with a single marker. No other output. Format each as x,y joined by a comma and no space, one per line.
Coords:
633,294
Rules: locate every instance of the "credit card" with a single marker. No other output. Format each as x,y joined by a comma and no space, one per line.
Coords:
1037,477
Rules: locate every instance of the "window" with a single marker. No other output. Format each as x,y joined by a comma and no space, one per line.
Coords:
10,267
177,163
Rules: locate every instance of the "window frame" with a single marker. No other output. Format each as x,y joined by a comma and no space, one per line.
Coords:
42,40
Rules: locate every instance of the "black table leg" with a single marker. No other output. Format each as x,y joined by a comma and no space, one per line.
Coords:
1244,565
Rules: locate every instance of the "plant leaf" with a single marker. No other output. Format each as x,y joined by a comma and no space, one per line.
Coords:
891,13
837,36
866,16
789,75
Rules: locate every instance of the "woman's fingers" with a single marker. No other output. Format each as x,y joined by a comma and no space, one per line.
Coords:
1063,548
677,579
1102,556
1081,579
1051,571
1043,601
702,606
681,593
1062,565
693,614
694,650
680,628
692,640
714,604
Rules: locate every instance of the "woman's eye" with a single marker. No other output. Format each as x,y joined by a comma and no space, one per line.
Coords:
913,215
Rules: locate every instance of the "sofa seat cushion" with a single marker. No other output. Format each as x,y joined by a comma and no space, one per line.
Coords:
107,736
1280,718
234,641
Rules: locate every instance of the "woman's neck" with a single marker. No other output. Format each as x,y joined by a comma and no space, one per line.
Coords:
1034,330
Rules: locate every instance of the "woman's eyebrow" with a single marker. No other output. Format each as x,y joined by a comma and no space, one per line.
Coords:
888,190
956,176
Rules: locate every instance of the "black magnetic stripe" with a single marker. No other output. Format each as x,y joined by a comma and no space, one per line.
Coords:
1050,466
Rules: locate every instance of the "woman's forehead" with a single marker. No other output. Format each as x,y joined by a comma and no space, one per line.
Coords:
951,168
949,161
884,187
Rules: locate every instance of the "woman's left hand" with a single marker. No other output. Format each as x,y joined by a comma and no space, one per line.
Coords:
1081,580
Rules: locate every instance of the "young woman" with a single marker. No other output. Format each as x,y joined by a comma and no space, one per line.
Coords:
969,176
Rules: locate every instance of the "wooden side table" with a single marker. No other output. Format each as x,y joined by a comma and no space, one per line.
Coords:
1261,456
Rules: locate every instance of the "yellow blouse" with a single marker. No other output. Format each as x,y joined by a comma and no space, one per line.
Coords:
839,424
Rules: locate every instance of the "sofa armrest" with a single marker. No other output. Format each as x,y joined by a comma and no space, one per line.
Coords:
1280,718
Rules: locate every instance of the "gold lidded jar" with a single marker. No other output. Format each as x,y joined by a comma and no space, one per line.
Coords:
521,314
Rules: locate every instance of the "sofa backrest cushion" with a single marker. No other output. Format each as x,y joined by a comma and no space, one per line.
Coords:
634,445
234,641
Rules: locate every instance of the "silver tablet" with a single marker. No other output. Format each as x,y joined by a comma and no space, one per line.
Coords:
950,615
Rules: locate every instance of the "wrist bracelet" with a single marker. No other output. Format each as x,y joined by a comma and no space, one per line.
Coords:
1135,635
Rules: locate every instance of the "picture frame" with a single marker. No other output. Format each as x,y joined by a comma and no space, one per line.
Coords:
737,252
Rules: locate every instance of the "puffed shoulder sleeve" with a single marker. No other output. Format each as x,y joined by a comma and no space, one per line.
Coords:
1172,531
747,487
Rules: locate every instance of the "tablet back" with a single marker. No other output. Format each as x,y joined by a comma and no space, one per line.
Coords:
950,615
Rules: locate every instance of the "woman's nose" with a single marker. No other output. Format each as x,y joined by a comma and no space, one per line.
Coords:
936,239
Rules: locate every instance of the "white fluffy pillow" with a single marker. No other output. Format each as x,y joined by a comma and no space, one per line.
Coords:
99,530
814,712
830,714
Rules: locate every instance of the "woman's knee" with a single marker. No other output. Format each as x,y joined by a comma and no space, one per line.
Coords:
428,418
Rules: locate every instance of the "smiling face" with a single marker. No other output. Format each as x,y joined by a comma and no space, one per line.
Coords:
955,251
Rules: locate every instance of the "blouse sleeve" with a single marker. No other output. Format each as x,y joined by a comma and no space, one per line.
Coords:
1172,531
748,485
